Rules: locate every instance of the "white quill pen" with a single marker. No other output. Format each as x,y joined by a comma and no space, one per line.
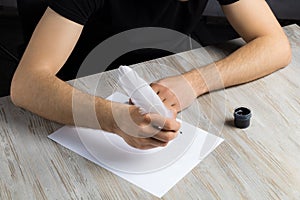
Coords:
141,94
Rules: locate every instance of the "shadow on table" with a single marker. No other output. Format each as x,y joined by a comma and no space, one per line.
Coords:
229,122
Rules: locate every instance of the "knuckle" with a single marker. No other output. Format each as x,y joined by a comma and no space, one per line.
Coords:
167,124
177,107
147,118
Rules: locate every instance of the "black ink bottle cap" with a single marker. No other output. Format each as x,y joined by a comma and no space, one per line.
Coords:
242,117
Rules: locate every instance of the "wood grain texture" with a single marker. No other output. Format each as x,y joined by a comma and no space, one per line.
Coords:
260,162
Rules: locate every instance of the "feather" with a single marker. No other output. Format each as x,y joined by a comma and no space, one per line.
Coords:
141,94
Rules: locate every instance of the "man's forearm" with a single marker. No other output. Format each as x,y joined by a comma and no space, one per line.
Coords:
51,98
256,59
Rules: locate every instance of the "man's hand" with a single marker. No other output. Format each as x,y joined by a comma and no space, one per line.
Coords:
176,92
143,131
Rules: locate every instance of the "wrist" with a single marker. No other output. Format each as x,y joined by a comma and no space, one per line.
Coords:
105,115
196,81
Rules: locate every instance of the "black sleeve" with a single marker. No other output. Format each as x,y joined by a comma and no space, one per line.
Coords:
226,2
78,11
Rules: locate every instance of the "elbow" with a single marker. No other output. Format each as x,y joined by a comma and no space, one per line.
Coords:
285,53
287,56
288,59
18,90
15,91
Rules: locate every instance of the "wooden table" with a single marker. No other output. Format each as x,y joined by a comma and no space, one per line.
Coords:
260,162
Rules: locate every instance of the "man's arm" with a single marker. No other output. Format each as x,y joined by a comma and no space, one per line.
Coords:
36,88
266,51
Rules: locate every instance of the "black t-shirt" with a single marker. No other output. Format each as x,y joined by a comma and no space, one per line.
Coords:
122,15
105,18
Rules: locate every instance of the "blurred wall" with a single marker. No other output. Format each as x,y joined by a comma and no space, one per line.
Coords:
8,3
283,9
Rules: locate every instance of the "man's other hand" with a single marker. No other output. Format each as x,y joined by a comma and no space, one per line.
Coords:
176,92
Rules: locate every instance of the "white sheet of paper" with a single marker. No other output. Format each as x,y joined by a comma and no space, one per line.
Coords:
156,180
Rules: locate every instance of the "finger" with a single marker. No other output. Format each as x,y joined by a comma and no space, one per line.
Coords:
160,90
144,143
142,146
147,147
147,143
171,124
168,97
155,87
169,102
165,137
173,106
163,99
176,108
157,143
165,123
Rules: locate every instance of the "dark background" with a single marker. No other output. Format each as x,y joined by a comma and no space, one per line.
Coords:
18,19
